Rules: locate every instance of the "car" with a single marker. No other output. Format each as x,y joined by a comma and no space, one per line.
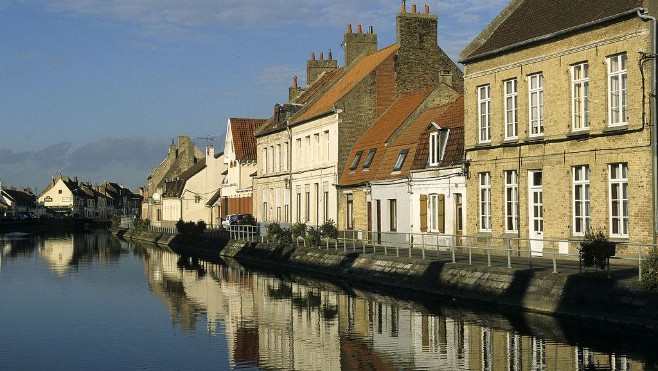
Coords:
227,220
243,219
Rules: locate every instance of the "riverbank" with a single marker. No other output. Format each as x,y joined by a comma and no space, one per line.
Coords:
620,300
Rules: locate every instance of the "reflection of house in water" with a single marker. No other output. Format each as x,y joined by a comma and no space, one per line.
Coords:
64,253
58,253
275,324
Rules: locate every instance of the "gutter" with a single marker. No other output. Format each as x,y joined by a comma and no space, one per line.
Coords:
627,13
654,150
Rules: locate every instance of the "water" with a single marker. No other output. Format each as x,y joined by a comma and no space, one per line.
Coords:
91,301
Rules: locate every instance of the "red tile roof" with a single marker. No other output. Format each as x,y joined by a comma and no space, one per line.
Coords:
244,141
451,118
378,134
524,21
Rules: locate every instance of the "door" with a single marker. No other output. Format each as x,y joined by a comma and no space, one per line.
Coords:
378,221
459,221
535,212
369,210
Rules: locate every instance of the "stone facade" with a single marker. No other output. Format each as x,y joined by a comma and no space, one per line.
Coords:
549,158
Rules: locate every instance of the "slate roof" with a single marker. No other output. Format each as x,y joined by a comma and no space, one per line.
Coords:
174,187
20,198
526,21
377,136
415,139
244,141
346,83
214,197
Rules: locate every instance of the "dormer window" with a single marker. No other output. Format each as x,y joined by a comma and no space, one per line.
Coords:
438,140
401,157
355,163
368,161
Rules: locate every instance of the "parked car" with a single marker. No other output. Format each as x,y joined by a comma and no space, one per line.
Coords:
227,220
243,219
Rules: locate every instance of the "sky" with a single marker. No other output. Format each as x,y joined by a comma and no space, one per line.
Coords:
99,88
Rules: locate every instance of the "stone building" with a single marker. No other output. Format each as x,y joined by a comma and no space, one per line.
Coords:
179,159
557,121
337,106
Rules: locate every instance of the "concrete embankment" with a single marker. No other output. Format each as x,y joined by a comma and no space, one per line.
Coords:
589,296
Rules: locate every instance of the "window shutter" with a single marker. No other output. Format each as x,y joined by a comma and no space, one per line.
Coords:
423,213
442,213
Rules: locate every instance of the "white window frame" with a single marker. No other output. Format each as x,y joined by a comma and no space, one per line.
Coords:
511,201
580,96
437,143
433,201
511,93
618,199
484,114
536,105
581,200
485,201
617,90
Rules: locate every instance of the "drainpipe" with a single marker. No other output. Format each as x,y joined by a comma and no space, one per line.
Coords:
289,170
654,150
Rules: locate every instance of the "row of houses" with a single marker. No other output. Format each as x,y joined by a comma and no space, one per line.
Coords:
67,197
547,133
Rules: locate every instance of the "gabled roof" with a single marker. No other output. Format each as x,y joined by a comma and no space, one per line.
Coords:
20,197
377,136
244,141
174,187
214,198
72,185
346,83
528,21
415,137
318,85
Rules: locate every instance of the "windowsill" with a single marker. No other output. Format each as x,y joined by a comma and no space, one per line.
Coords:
539,138
510,235
618,239
396,172
578,133
483,145
483,234
510,141
615,128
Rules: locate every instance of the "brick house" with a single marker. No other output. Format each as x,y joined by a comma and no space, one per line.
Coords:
336,108
557,131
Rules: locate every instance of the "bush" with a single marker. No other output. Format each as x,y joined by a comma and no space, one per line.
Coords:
191,230
285,237
595,249
650,270
142,224
329,230
298,230
313,236
274,230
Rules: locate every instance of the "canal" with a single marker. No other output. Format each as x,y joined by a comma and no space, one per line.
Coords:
92,301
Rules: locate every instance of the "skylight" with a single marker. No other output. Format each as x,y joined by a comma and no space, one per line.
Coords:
357,158
368,161
400,161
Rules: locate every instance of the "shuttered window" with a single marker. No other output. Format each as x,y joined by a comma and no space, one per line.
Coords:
423,213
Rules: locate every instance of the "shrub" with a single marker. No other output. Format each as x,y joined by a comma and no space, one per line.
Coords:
313,236
298,230
595,249
285,237
274,231
190,230
329,230
141,224
650,270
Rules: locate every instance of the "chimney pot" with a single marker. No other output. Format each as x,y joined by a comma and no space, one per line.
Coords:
404,7
312,56
329,57
427,9
413,8
349,28
370,31
321,56
358,29
294,82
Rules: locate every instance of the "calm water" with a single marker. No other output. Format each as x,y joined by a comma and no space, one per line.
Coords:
90,301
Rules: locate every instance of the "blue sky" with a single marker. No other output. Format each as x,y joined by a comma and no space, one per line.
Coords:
98,88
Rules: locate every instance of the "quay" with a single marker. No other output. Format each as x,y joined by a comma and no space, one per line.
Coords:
597,296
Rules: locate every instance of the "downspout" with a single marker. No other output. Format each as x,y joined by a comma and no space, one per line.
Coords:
654,150
289,171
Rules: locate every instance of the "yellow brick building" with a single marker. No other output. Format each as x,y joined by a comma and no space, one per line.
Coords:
559,121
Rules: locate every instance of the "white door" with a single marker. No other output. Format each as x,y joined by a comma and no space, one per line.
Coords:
536,212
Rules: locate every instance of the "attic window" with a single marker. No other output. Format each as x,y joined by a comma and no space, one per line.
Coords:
438,140
368,161
357,158
400,161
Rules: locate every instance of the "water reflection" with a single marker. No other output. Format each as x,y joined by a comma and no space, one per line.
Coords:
297,323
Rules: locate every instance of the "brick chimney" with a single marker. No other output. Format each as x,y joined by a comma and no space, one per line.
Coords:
358,44
420,62
294,91
316,67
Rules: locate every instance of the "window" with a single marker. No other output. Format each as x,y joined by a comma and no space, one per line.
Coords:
285,156
299,152
265,160
618,200
401,157
581,212
580,96
368,161
536,99
485,202
617,89
437,213
307,209
511,202
316,143
438,142
350,211
299,204
277,158
511,105
484,108
307,142
355,162
326,205
393,214
326,144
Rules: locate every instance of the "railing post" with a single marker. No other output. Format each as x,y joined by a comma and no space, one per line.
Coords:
364,245
353,241
397,245
410,243
639,263
453,247
509,254
385,247
423,245
554,259
530,253
488,257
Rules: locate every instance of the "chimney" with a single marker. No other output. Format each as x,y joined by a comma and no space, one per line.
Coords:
210,153
315,68
358,44
294,91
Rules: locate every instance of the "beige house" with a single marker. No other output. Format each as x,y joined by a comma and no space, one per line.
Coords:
558,101
60,197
